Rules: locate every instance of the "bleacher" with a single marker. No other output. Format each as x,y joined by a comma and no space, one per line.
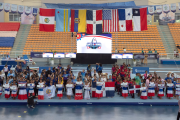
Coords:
135,41
8,32
46,41
175,32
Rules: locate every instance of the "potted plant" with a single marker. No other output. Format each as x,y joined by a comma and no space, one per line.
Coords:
52,59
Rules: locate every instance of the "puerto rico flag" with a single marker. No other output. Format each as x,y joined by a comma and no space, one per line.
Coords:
94,21
46,20
140,19
125,19
110,89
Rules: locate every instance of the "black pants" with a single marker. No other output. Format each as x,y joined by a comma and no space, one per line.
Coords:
65,81
6,73
36,91
178,116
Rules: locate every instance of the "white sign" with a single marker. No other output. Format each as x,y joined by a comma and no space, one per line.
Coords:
94,44
159,9
173,7
13,8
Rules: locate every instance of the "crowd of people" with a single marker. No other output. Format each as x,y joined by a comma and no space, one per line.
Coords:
92,83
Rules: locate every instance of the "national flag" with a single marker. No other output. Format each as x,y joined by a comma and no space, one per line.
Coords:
93,89
110,20
94,22
140,19
125,19
110,89
62,20
78,20
46,20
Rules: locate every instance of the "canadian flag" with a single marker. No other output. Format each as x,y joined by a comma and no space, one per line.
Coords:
46,20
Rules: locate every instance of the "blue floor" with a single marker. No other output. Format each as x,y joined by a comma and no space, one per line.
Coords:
89,113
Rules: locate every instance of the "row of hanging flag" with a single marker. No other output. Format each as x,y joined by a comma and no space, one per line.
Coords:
93,21
18,8
163,8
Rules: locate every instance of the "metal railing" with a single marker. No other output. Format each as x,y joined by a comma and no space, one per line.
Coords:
169,55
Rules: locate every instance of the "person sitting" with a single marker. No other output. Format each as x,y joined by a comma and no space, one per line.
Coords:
18,58
30,101
178,47
7,57
149,51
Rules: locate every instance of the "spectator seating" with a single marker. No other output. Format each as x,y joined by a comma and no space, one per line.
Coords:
175,32
46,41
8,32
134,41
6,26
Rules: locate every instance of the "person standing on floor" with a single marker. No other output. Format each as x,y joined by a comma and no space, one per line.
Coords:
6,70
178,116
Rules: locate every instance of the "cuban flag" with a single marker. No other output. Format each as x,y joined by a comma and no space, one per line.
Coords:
94,21
125,19
140,19
93,89
110,89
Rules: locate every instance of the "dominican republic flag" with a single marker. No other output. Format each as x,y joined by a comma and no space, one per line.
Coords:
93,89
94,21
78,92
46,20
110,89
22,90
140,19
110,20
125,19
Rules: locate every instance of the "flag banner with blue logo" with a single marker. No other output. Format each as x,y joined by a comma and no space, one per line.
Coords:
35,10
1,7
20,9
151,10
173,7
27,10
62,17
140,70
7,7
159,9
110,89
13,8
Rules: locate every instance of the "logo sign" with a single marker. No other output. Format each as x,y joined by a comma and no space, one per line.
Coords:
36,54
166,8
77,20
151,10
49,92
159,9
173,7
140,70
46,20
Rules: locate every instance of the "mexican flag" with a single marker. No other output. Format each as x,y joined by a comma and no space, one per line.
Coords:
46,20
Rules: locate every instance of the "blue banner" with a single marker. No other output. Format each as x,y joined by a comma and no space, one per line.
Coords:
140,70
36,54
42,68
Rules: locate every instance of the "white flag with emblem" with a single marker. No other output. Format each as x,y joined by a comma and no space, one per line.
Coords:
166,8
151,10
7,7
13,8
173,7
20,9
159,9
27,10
